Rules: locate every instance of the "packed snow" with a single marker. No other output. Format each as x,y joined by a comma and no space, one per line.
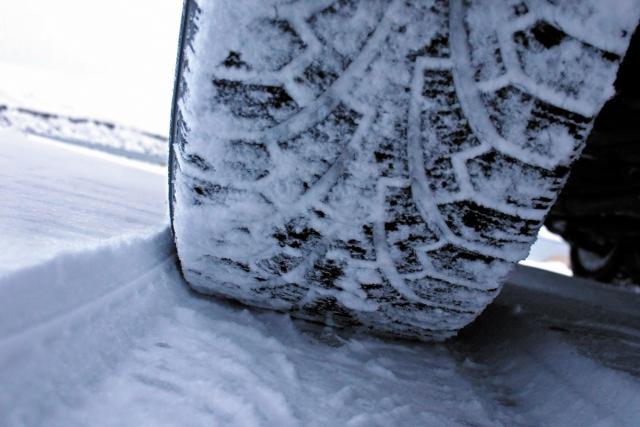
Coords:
105,332
57,197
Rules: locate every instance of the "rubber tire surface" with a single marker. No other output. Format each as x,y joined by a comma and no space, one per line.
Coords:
378,163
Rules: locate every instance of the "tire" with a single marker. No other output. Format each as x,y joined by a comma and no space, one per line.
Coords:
378,163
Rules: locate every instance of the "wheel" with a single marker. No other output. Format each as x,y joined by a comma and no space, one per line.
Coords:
618,263
593,265
379,163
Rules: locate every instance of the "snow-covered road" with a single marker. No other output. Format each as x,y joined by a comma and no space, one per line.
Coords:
106,333
55,196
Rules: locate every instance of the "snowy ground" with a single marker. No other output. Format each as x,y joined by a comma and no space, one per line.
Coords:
99,329
105,136
58,197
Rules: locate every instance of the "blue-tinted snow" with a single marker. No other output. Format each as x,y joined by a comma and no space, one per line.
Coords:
106,333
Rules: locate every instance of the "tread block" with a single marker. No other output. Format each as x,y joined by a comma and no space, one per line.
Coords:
486,226
247,161
329,309
347,24
315,150
323,71
325,273
390,147
536,126
462,264
560,62
484,49
287,293
361,246
414,315
231,275
297,234
444,116
279,264
441,176
448,294
384,292
295,240
274,44
487,65
405,229
198,162
259,104
535,190
208,193
202,283
438,44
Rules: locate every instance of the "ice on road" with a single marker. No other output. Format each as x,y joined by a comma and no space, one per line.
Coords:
106,333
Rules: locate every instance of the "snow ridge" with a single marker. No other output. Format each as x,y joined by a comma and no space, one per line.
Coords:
97,134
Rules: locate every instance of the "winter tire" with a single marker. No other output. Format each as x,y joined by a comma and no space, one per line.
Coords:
379,163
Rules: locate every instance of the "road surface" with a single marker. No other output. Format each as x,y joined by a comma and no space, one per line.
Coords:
98,328
58,197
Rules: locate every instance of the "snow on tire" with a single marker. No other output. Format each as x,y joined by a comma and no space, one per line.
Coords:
379,163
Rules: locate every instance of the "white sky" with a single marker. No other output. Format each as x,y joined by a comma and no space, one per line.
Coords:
110,59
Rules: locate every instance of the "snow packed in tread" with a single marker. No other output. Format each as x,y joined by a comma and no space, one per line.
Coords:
331,163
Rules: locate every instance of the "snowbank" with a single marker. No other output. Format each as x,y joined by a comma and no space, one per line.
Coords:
97,134
68,322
